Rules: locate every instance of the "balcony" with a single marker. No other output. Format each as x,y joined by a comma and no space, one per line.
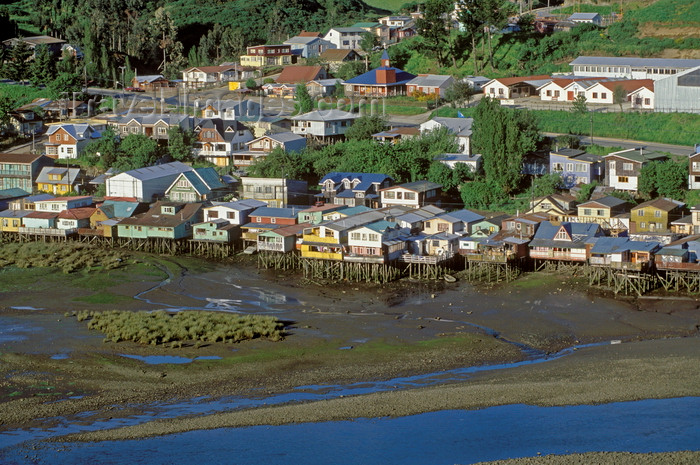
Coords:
271,246
322,240
490,257
48,231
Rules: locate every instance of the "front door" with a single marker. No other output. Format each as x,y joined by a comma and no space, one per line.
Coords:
570,95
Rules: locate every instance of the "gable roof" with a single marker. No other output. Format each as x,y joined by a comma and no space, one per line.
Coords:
458,126
246,204
18,157
583,16
336,54
546,233
608,201
150,78
120,208
370,77
430,80
638,62
154,216
516,80
276,212
326,115
78,131
629,85
638,155
417,186
69,175
299,74
158,171
465,216
662,203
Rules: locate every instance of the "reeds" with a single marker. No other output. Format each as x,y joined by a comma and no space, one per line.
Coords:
196,327
69,257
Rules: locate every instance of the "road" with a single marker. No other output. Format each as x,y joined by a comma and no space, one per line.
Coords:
631,144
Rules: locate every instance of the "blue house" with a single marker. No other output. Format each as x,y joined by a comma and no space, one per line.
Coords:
563,241
576,166
384,81
353,189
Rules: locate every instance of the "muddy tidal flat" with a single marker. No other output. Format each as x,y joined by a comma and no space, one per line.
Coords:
363,351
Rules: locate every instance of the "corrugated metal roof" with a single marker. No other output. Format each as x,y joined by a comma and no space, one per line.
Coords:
637,62
157,171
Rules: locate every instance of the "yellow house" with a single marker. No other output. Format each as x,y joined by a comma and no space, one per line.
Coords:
655,215
59,181
321,241
11,220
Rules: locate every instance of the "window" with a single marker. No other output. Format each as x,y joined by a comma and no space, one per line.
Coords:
627,166
600,212
258,220
273,220
427,224
231,215
640,212
595,94
556,93
410,196
603,95
623,179
69,150
558,166
161,131
569,167
355,236
562,236
374,237
580,168
213,214
65,137
183,183
443,227
657,214
642,224
647,101
586,212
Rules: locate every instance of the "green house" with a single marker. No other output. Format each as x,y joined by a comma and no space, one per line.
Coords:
165,220
218,230
195,186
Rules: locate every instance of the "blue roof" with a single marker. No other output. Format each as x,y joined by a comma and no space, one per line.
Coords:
354,210
13,193
382,225
370,77
210,177
338,176
122,209
466,216
579,232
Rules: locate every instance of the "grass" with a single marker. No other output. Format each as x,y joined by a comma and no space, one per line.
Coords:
670,12
68,257
601,9
667,128
103,298
183,327
390,5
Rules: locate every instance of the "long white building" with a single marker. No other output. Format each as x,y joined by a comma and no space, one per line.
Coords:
678,93
630,67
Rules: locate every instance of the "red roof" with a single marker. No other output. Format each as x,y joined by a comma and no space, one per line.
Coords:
64,199
18,157
309,34
630,85
42,215
515,80
299,74
77,213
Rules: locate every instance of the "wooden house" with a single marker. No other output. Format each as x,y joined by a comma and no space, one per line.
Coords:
377,242
69,140
216,230
336,57
655,215
576,166
276,192
154,125
39,220
384,81
609,212
413,194
329,240
60,181
694,169
58,204
197,185
460,127
622,253
429,84
514,87
315,214
325,126
164,220
150,82
11,220
20,170
28,203
564,241
556,206
233,212
217,139
266,219
352,189
75,218
268,55
623,168
283,239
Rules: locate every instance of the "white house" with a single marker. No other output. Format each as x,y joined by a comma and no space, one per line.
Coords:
642,98
593,18
514,87
345,37
309,47
562,89
430,84
69,140
460,127
233,212
377,242
58,204
200,76
412,194
622,169
604,91
230,109
631,67
324,125
145,184
454,159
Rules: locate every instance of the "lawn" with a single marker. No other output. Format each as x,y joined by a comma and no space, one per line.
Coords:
391,5
667,128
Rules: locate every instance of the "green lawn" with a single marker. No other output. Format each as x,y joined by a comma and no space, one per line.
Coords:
391,5
667,128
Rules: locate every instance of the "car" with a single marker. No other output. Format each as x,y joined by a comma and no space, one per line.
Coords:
134,89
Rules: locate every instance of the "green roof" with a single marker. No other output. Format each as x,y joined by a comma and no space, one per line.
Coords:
366,25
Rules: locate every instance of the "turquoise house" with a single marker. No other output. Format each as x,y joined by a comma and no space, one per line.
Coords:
217,230
165,220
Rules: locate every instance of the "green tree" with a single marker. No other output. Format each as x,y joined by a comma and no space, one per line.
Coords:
432,28
104,150
442,174
6,107
66,85
42,69
584,194
503,136
619,96
664,179
367,43
547,184
180,144
304,100
458,93
165,35
569,141
137,151
481,194
578,105
17,68
349,70
339,91
251,84
363,127
468,15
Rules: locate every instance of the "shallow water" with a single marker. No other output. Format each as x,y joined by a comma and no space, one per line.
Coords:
445,437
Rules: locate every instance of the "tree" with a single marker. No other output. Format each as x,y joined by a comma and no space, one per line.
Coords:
180,144
339,91
105,149
367,43
165,35
349,69
481,194
472,24
458,92
442,174
432,27
304,100
251,84
619,96
569,141
547,184
17,68
137,151
363,127
578,105
66,85
503,136
584,194
494,15
6,106
42,69
664,179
